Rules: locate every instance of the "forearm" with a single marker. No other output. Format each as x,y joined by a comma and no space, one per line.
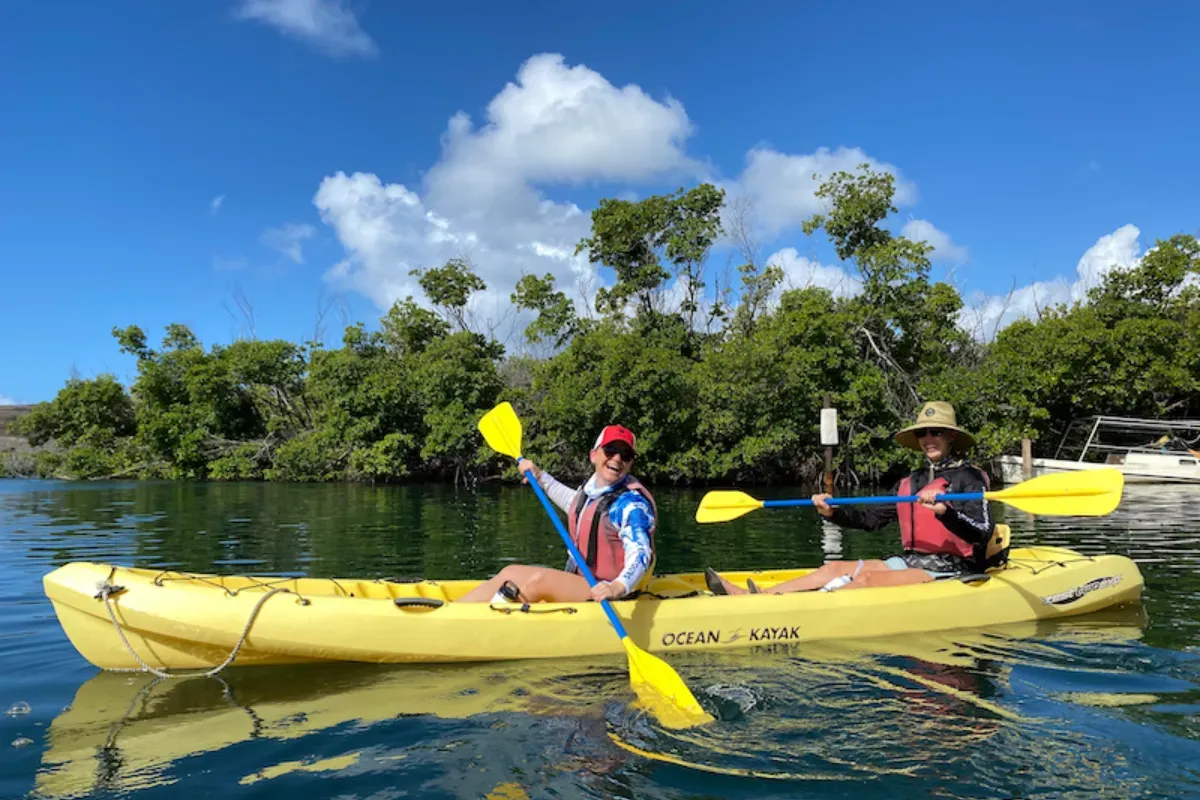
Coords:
636,543
970,521
560,494
634,519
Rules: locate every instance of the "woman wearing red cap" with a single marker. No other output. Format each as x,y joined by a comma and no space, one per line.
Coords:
611,517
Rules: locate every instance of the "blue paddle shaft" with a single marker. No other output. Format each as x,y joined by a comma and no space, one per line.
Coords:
849,501
579,560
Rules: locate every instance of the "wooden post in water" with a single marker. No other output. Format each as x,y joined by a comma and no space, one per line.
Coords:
1027,458
829,437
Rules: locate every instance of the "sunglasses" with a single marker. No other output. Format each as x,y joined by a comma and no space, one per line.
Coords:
619,449
923,432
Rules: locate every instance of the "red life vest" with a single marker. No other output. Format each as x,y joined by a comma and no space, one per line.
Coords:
922,531
598,540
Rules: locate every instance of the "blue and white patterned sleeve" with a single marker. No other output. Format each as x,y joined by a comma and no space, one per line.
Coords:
633,517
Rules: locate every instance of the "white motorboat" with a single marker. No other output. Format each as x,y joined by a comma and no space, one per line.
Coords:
1144,450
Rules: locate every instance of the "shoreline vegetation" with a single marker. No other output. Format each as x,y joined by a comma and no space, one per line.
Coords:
718,390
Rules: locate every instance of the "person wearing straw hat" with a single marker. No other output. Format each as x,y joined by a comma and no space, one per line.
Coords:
938,539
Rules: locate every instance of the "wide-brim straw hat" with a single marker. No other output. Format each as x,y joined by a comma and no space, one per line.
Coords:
935,415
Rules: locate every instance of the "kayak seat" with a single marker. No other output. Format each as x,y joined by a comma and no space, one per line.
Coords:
995,555
996,552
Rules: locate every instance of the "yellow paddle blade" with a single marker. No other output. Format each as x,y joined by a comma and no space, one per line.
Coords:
1086,493
722,506
661,691
501,429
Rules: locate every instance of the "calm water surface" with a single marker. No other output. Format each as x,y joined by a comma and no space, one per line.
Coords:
1104,706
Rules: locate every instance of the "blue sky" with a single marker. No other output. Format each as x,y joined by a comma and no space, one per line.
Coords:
162,157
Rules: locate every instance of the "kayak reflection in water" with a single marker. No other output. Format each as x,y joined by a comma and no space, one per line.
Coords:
611,518
939,539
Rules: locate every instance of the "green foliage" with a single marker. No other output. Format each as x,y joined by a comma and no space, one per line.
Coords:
904,324
740,404
636,238
556,321
311,456
1130,349
383,460
449,287
243,463
757,287
407,329
96,410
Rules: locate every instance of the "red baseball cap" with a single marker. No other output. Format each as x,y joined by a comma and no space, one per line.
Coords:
616,433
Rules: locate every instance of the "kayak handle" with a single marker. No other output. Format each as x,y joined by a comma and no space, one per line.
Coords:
427,602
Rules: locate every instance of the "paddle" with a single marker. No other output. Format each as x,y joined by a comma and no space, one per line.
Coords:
660,690
1087,493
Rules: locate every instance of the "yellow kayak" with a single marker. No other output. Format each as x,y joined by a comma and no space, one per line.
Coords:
123,618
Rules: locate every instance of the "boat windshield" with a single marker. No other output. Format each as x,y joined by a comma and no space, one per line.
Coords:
1100,438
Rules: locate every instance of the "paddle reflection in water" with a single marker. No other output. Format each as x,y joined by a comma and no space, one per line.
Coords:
966,713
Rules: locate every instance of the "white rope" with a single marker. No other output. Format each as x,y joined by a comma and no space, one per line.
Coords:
106,590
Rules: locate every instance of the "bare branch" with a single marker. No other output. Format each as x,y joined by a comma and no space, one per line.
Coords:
325,301
1004,310
246,311
740,230
890,362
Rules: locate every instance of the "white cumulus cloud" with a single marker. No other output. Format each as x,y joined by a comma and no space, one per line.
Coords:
555,124
1116,250
215,204
326,24
289,239
985,315
944,249
782,187
800,272
558,124
5,400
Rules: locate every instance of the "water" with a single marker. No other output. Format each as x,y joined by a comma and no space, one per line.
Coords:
1102,706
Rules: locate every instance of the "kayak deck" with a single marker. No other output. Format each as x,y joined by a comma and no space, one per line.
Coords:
175,620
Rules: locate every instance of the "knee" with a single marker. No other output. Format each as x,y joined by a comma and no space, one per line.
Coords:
533,585
512,572
866,579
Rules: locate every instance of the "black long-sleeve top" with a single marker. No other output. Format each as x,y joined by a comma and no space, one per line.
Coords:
969,520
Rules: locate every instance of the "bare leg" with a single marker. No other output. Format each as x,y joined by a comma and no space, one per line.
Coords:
891,577
537,584
827,572
817,578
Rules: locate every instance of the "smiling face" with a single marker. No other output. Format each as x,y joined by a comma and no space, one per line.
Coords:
935,443
612,462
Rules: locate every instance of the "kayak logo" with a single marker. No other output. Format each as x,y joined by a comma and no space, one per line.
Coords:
774,634
1071,595
691,637
763,634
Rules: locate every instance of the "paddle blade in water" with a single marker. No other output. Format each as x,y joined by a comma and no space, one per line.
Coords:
661,691
1086,493
501,429
722,506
